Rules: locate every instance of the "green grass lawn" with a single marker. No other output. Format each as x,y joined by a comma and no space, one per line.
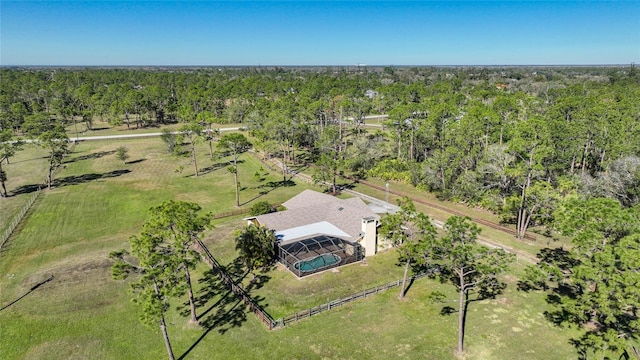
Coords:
101,128
26,170
84,314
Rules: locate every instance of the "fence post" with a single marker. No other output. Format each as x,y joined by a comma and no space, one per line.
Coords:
235,288
17,219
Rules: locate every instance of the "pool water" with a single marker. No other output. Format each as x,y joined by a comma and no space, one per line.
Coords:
317,262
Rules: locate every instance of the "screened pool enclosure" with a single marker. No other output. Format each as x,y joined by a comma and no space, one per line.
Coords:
318,253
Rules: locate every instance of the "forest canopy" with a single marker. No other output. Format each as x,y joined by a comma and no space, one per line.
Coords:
515,140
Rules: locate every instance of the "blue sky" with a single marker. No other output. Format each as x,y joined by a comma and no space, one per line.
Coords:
318,33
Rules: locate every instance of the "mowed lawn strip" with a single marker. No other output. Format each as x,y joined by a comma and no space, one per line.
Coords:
25,171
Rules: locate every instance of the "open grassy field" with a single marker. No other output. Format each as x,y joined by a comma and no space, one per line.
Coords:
82,313
25,172
101,128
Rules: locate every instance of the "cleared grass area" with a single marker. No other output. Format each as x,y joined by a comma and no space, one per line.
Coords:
25,172
102,128
99,202
84,314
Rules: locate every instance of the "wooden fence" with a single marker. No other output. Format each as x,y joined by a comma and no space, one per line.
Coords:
234,287
14,223
18,218
339,302
231,213
264,316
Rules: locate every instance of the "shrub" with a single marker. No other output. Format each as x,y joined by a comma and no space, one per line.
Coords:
262,207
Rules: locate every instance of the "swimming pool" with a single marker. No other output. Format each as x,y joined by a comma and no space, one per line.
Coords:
318,262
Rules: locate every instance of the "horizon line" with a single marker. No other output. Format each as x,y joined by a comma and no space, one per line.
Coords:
332,65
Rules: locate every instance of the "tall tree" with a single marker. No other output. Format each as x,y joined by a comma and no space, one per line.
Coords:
55,141
8,148
178,225
540,201
156,283
599,289
210,134
531,145
234,145
412,233
193,132
330,159
16,114
171,140
468,265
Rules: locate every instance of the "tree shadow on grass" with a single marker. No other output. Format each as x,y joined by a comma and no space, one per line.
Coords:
231,313
213,167
447,310
210,286
409,285
277,184
559,316
228,311
69,180
238,273
236,270
96,155
485,292
27,189
556,258
559,257
135,161
257,282
32,289
80,179
98,127
488,290
269,187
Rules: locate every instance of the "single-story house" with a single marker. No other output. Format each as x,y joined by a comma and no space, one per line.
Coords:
319,231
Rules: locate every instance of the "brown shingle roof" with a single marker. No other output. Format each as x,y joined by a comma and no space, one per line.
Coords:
309,198
311,207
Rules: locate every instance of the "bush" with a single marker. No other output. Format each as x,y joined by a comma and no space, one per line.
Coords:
391,169
261,207
122,154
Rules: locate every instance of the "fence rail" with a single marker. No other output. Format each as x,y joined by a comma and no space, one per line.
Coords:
339,302
234,287
232,213
266,318
18,218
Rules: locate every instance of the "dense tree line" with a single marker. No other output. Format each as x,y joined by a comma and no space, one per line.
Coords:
515,140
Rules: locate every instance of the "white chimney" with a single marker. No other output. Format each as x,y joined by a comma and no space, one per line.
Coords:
370,239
